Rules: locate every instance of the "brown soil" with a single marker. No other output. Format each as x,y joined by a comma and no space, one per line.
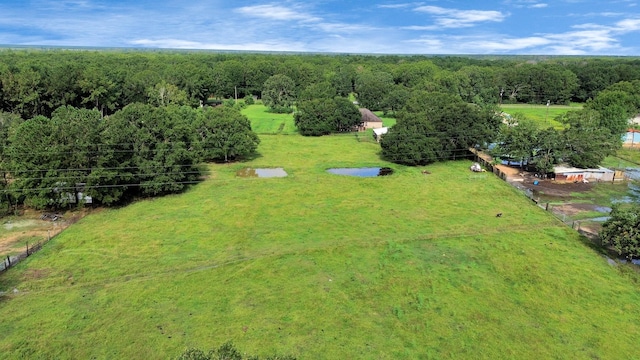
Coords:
8,243
509,170
35,274
553,188
14,241
574,209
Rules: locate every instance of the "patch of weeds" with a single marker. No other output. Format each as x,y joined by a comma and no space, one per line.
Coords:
398,312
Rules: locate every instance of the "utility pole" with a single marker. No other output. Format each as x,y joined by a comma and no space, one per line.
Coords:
546,116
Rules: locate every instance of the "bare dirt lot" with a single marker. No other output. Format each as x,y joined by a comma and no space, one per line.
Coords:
554,189
31,226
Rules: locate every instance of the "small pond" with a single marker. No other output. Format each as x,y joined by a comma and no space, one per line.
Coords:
262,172
362,172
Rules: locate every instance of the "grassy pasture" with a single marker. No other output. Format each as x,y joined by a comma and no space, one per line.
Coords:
631,155
386,120
323,266
264,122
539,113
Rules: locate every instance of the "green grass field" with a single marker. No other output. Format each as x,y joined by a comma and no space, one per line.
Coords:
323,267
539,113
386,120
264,122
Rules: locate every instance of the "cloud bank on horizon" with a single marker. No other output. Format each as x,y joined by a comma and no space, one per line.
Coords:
561,27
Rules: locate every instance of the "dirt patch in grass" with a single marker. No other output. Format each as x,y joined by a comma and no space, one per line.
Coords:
574,209
35,274
16,231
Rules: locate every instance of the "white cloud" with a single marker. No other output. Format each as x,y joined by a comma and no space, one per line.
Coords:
395,6
342,27
481,44
538,6
187,44
628,25
275,12
454,18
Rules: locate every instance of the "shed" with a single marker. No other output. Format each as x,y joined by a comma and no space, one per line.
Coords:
377,133
572,174
369,120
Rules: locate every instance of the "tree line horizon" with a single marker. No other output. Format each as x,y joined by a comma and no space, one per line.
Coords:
63,112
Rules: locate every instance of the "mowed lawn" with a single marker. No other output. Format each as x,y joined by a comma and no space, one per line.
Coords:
323,266
541,114
264,122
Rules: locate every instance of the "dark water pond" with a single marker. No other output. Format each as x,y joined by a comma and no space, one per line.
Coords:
362,172
262,173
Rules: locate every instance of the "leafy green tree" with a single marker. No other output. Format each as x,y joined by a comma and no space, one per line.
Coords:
438,126
346,115
457,124
278,93
372,87
50,158
322,90
518,139
256,73
164,94
164,160
22,90
410,74
343,79
594,75
412,141
225,134
622,231
8,123
478,85
61,86
323,116
147,151
616,107
99,91
586,143
248,99
396,99
547,150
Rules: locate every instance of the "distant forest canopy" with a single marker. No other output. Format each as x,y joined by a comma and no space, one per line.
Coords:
113,126
36,82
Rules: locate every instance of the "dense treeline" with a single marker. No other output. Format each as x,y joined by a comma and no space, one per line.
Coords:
141,150
38,82
116,125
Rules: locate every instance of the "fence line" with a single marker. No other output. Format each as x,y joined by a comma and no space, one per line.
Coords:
547,206
10,261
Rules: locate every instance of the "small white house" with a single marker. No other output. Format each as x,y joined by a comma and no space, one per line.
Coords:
377,133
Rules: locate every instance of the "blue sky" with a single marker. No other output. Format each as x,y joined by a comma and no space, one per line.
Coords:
559,27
